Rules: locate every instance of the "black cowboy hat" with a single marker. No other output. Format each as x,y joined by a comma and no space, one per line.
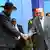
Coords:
9,4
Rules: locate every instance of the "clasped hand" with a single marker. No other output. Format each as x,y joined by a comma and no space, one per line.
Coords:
25,36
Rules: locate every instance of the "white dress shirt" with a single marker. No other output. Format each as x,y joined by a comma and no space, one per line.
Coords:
42,22
16,27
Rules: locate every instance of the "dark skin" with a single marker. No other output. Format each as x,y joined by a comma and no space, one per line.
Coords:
13,22
8,10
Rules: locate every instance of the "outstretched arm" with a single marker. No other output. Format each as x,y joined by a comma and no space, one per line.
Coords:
7,24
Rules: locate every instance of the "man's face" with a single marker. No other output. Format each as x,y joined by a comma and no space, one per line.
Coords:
37,13
48,14
9,9
14,22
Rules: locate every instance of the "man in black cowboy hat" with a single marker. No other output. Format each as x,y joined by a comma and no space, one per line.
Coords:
6,29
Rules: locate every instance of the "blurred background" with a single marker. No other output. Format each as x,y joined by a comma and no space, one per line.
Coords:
24,11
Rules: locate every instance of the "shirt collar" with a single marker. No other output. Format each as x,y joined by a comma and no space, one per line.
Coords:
6,13
42,18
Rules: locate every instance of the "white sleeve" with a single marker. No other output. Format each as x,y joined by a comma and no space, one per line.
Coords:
19,37
17,28
31,33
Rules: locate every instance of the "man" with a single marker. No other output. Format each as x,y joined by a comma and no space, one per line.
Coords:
38,22
6,29
17,25
19,43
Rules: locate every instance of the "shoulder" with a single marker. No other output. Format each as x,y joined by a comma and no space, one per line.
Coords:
30,19
19,25
1,14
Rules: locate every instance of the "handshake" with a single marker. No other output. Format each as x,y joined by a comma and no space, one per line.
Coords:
25,36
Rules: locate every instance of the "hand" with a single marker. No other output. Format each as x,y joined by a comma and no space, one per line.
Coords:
17,38
25,36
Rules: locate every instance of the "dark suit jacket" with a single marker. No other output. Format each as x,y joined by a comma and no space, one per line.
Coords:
39,39
20,28
7,31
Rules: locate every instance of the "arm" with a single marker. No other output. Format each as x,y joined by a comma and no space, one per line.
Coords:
8,26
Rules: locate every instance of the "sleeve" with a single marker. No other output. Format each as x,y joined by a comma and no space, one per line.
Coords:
9,27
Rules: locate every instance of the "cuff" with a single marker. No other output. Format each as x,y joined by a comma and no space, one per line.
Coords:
19,37
21,34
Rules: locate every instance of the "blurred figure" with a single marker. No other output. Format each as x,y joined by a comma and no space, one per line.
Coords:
36,13
48,14
6,29
17,26
38,25
19,43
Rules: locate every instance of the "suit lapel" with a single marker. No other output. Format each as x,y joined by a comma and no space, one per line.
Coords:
39,26
38,23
